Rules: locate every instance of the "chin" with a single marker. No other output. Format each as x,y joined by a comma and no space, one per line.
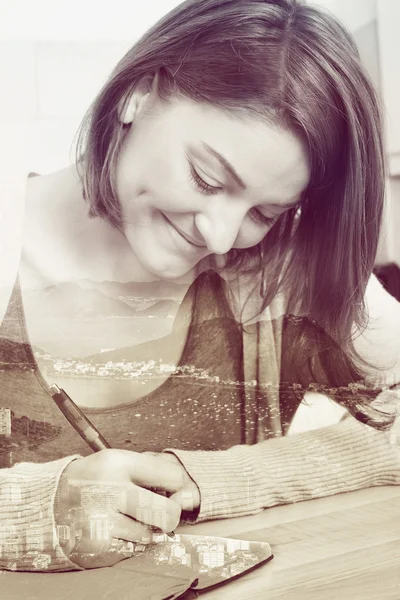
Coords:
168,271
171,273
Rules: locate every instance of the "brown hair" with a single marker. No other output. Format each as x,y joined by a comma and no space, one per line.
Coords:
297,66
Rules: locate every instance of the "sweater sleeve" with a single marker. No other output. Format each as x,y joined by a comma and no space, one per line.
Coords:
343,457
27,495
379,342
244,480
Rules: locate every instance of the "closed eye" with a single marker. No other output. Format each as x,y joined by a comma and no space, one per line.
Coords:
206,188
258,217
202,186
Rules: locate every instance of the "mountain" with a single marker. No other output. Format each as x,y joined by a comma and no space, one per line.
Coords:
158,349
15,353
152,289
71,301
211,326
208,297
26,432
161,309
202,349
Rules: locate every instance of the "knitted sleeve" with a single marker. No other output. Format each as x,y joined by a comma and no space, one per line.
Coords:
28,532
245,479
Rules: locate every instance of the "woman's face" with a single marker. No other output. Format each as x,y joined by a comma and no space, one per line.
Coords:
193,180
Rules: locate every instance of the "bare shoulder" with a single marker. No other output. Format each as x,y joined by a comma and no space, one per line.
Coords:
33,185
42,187
46,209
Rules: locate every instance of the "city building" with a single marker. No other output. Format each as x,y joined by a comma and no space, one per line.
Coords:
34,537
100,527
5,421
212,558
102,498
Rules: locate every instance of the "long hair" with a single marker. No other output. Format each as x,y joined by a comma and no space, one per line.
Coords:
297,67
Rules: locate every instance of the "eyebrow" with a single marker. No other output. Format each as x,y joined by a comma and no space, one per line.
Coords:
233,174
226,165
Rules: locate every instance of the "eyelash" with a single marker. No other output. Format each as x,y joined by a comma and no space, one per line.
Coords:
203,186
206,188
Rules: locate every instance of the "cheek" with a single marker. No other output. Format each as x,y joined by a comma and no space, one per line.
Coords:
250,234
169,189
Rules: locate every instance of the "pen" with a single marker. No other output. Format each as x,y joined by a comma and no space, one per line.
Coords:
82,425
78,420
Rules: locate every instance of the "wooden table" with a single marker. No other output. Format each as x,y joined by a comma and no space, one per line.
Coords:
344,547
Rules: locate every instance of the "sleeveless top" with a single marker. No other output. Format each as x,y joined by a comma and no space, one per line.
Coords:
204,404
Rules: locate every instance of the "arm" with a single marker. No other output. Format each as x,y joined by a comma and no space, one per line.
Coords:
343,457
27,494
27,490
246,479
118,486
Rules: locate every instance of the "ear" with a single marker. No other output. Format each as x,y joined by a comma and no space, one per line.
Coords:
131,106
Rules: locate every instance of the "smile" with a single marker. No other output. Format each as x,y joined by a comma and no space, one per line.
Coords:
183,235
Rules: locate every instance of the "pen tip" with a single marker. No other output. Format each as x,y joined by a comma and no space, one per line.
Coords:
54,389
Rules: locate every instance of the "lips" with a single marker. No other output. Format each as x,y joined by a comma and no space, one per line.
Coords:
185,236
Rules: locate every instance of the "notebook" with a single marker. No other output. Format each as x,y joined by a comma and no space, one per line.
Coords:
166,569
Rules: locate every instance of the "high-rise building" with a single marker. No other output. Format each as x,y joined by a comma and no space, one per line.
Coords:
78,516
63,533
99,498
212,558
34,537
5,421
151,512
100,527
61,502
11,542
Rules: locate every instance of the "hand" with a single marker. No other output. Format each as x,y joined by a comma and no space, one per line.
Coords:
107,499
188,496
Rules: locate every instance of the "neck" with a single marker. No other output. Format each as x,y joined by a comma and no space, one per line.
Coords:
61,241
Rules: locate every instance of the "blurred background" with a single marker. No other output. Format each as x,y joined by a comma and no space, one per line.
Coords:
55,56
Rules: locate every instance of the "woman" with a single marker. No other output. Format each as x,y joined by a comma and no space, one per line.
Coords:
229,175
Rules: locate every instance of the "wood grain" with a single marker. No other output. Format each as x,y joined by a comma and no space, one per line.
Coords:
344,547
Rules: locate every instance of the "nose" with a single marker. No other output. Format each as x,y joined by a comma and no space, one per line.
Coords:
220,225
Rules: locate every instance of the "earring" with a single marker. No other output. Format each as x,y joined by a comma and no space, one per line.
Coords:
263,286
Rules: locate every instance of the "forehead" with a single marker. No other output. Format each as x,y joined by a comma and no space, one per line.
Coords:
272,161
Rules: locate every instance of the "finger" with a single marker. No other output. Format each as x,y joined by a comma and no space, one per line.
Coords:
187,499
126,528
153,472
169,456
150,509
